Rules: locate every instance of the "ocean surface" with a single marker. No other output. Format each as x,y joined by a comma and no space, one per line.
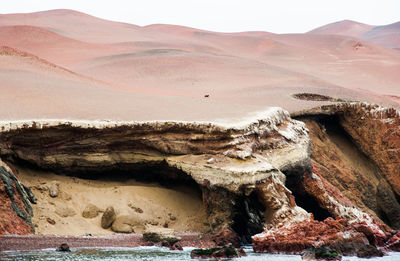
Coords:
149,253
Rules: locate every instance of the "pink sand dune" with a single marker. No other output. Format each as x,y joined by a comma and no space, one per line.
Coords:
386,35
345,27
94,68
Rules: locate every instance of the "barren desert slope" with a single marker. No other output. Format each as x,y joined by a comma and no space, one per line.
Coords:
179,127
127,72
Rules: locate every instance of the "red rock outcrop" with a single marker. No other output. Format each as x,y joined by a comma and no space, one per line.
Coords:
225,237
356,151
394,242
15,209
336,234
376,130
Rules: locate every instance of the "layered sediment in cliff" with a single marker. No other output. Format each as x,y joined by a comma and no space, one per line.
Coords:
354,180
257,176
356,149
229,162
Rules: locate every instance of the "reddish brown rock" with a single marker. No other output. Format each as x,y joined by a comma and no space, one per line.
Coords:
225,237
15,208
377,131
293,239
374,236
355,177
394,242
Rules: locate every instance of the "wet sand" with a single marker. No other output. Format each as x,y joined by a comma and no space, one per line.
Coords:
35,242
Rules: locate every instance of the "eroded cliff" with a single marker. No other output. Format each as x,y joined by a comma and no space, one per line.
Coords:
260,175
228,162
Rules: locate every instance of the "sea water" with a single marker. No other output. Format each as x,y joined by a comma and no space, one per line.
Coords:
149,254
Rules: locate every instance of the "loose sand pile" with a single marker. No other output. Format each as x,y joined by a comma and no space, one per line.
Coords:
180,208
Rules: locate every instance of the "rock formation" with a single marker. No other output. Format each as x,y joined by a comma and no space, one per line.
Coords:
108,218
356,157
15,208
229,162
90,211
259,176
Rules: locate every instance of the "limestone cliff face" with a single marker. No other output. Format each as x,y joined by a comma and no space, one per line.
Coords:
226,160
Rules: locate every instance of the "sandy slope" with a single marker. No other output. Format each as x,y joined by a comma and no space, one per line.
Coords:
384,35
177,66
63,64
179,207
345,27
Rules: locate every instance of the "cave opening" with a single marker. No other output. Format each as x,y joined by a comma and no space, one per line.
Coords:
305,200
308,203
156,172
159,173
156,194
248,217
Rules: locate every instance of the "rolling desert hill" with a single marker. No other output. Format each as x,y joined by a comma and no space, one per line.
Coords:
345,27
385,35
113,70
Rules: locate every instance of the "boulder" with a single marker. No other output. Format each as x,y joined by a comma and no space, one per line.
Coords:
225,237
108,218
157,235
320,253
53,189
367,251
64,247
217,252
394,242
128,224
64,211
338,235
90,211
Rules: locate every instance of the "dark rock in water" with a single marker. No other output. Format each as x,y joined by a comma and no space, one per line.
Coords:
176,246
226,237
218,252
64,248
160,235
320,253
355,249
369,251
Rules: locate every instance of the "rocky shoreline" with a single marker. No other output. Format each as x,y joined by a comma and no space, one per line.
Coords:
289,184
37,242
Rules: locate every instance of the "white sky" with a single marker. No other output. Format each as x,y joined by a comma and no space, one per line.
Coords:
278,16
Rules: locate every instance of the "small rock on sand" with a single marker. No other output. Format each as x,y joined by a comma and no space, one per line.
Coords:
137,209
65,211
53,189
90,211
128,224
108,218
50,221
